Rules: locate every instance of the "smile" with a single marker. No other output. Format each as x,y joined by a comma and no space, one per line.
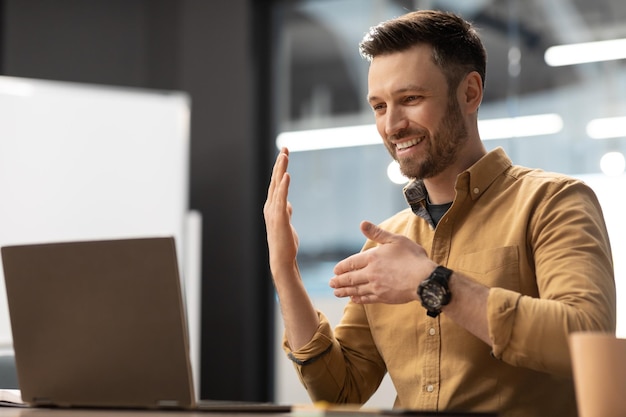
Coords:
403,145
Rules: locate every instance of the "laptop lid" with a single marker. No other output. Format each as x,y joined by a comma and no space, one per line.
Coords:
99,324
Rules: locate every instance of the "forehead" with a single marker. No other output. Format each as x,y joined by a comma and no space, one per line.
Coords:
413,67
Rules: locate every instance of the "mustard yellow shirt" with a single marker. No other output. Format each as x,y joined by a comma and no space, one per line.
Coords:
539,241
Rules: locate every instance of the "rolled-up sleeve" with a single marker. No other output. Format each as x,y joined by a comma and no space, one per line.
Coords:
571,258
317,347
502,310
344,367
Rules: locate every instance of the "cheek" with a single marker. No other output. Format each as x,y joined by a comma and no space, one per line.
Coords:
423,115
380,126
430,120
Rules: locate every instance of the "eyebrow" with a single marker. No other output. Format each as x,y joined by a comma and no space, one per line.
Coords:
411,88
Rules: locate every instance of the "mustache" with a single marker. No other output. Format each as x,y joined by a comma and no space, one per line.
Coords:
407,133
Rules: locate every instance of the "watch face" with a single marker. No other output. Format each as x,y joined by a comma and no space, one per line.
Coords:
434,292
432,295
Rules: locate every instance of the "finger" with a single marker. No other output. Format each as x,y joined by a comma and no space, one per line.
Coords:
346,292
278,202
277,207
278,172
282,192
351,291
348,282
364,299
280,167
351,263
376,234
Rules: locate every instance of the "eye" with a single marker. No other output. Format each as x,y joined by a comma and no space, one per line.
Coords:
378,107
410,99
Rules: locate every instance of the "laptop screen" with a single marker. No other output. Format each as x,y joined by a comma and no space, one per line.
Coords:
99,323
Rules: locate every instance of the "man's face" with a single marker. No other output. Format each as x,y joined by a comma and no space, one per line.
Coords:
421,124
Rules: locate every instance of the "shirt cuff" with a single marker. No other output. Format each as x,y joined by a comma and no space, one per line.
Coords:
318,346
501,313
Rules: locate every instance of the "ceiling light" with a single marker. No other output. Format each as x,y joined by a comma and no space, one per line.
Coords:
613,163
580,53
362,135
610,127
515,127
337,137
394,173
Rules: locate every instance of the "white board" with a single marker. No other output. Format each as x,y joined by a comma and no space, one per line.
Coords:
81,162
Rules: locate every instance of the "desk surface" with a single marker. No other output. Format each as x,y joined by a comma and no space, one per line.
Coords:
51,412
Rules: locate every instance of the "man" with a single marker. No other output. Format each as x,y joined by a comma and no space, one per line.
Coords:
467,297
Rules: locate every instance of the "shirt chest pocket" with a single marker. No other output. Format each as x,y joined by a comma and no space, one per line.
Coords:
496,267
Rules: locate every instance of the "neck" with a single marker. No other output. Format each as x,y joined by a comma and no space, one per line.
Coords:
441,187
439,191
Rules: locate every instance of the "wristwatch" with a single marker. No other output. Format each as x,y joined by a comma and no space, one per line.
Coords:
434,291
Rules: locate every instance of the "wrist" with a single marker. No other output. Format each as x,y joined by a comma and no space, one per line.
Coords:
282,271
434,292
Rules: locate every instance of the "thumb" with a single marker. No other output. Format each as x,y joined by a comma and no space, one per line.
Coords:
375,233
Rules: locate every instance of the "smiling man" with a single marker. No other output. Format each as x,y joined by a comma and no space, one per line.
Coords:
467,297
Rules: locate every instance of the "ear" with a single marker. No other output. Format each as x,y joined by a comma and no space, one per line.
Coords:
471,92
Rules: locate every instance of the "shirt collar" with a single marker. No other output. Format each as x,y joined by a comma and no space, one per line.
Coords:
476,179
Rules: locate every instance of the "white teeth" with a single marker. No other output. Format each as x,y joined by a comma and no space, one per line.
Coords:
408,144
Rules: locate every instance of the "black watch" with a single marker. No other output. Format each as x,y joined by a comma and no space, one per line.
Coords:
434,291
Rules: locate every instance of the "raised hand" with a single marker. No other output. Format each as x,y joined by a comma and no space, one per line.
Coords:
299,315
282,238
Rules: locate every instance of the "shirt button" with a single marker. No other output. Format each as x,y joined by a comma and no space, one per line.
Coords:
430,388
432,331
476,190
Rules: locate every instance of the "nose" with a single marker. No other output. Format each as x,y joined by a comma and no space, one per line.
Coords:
395,121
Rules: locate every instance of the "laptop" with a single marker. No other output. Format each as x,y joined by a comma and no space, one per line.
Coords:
103,324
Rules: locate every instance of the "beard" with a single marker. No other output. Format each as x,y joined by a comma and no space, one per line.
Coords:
443,149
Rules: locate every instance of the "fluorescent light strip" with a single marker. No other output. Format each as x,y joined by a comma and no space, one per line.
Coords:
516,127
610,127
581,53
343,137
337,137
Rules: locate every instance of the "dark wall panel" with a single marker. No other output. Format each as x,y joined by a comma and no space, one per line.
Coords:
227,182
73,40
213,50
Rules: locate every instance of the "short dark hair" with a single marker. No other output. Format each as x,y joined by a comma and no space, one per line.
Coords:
457,49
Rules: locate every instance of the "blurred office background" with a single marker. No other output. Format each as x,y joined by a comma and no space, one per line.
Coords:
557,111
262,73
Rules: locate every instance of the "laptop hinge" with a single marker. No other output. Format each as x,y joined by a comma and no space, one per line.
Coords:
43,402
168,404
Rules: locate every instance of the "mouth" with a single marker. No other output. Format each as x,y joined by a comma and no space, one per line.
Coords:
409,143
